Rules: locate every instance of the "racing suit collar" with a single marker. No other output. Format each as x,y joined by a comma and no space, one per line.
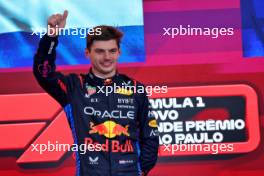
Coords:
102,81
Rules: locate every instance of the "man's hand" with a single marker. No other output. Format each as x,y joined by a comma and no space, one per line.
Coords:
56,22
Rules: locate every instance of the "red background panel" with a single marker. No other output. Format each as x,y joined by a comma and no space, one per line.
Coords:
58,131
36,102
18,136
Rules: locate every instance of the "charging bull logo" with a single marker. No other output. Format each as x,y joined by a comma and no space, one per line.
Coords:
109,129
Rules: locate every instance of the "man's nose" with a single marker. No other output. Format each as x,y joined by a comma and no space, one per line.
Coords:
107,55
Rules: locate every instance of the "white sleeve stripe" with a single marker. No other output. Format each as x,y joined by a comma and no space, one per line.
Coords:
51,47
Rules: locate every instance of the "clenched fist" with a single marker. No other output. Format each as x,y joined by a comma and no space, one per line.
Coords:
56,22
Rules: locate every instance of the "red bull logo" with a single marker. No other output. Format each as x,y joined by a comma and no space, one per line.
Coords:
115,147
109,129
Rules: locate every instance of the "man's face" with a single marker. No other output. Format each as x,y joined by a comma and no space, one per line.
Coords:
103,56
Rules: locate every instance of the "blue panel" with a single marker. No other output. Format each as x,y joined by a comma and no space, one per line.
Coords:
253,27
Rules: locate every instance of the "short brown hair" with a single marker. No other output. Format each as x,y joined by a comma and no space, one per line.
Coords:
106,33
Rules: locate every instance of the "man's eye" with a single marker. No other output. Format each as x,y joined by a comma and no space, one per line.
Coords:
99,51
113,51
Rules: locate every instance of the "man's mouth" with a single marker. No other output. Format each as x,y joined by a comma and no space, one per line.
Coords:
107,63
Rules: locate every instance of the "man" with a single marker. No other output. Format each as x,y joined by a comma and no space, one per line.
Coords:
119,126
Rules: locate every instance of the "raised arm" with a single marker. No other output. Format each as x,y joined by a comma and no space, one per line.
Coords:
44,67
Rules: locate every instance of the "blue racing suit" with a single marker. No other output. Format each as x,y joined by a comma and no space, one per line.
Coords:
118,126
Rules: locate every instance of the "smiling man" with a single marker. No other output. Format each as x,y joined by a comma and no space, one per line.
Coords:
121,122
104,50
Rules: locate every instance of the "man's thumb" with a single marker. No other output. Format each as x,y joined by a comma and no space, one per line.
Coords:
65,14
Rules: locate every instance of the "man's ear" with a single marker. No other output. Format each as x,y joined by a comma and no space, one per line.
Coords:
87,53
